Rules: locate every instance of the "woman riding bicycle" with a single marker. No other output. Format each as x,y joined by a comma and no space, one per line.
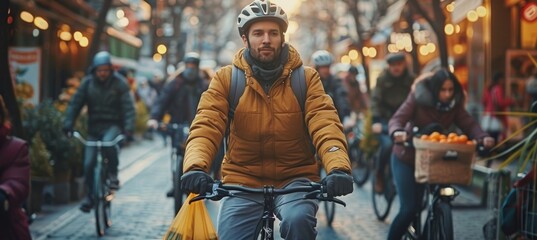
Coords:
436,100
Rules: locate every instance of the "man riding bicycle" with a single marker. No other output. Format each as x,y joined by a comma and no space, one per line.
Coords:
270,136
391,90
180,98
333,86
110,112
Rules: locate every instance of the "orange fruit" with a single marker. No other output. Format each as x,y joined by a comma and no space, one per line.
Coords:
463,138
470,142
434,134
452,135
424,137
442,141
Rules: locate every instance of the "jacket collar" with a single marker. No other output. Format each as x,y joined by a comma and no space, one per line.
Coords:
293,63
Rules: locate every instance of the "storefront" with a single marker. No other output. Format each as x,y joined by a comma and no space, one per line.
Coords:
521,54
58,38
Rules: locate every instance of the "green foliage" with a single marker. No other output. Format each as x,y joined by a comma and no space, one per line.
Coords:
39,158
525,151
370,142
46,120
142,115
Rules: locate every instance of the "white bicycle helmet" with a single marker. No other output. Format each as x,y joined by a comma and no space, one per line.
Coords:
322,58
258,10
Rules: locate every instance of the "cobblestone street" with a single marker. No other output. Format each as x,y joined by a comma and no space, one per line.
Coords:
140,209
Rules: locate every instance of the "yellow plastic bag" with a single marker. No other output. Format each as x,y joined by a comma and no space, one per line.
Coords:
192,223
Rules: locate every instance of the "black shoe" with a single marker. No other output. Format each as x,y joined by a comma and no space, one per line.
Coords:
169,193
114,182
87,204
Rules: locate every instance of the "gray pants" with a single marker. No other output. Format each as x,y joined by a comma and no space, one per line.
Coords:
238,218
111,153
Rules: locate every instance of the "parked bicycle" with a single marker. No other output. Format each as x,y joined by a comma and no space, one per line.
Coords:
265,226
101,192
179,134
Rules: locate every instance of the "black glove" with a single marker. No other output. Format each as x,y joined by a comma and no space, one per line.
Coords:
338,183
3,202
196,181
68,131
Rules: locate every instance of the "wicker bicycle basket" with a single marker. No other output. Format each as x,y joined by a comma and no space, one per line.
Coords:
443,163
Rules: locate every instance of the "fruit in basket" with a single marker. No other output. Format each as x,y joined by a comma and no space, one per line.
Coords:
451,138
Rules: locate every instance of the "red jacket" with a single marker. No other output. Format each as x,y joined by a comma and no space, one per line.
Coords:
15,182
494,100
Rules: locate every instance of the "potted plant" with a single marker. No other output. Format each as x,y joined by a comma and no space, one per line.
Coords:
46,120
40,172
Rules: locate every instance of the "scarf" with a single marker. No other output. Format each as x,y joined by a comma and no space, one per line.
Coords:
444,107
267,73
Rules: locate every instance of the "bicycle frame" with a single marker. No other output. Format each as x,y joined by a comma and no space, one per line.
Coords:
179,131
440,194
266,226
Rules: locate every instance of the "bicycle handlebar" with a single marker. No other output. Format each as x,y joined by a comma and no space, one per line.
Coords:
98,143
314,191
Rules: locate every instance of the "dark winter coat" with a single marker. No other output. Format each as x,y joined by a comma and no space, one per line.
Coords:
15,182
388,94
109,103
419,110
335,89
180,99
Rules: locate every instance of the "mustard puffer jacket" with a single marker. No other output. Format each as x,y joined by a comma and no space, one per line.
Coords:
268,142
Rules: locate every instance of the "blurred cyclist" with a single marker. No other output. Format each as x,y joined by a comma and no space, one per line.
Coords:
110,112
392,88
323,60
180,98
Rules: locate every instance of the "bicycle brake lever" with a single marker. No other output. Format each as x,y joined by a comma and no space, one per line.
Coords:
319,196
332,199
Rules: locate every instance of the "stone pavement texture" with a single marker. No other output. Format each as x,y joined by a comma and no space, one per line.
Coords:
140,209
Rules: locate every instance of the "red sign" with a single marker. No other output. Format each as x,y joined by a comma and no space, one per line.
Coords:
529,12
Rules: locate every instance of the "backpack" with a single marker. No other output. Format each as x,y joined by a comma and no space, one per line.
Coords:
238,83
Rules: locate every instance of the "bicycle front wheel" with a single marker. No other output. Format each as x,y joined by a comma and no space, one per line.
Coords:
382,201
100,204
360,166
442,223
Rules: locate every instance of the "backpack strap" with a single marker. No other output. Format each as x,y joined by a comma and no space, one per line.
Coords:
236,89
298,84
